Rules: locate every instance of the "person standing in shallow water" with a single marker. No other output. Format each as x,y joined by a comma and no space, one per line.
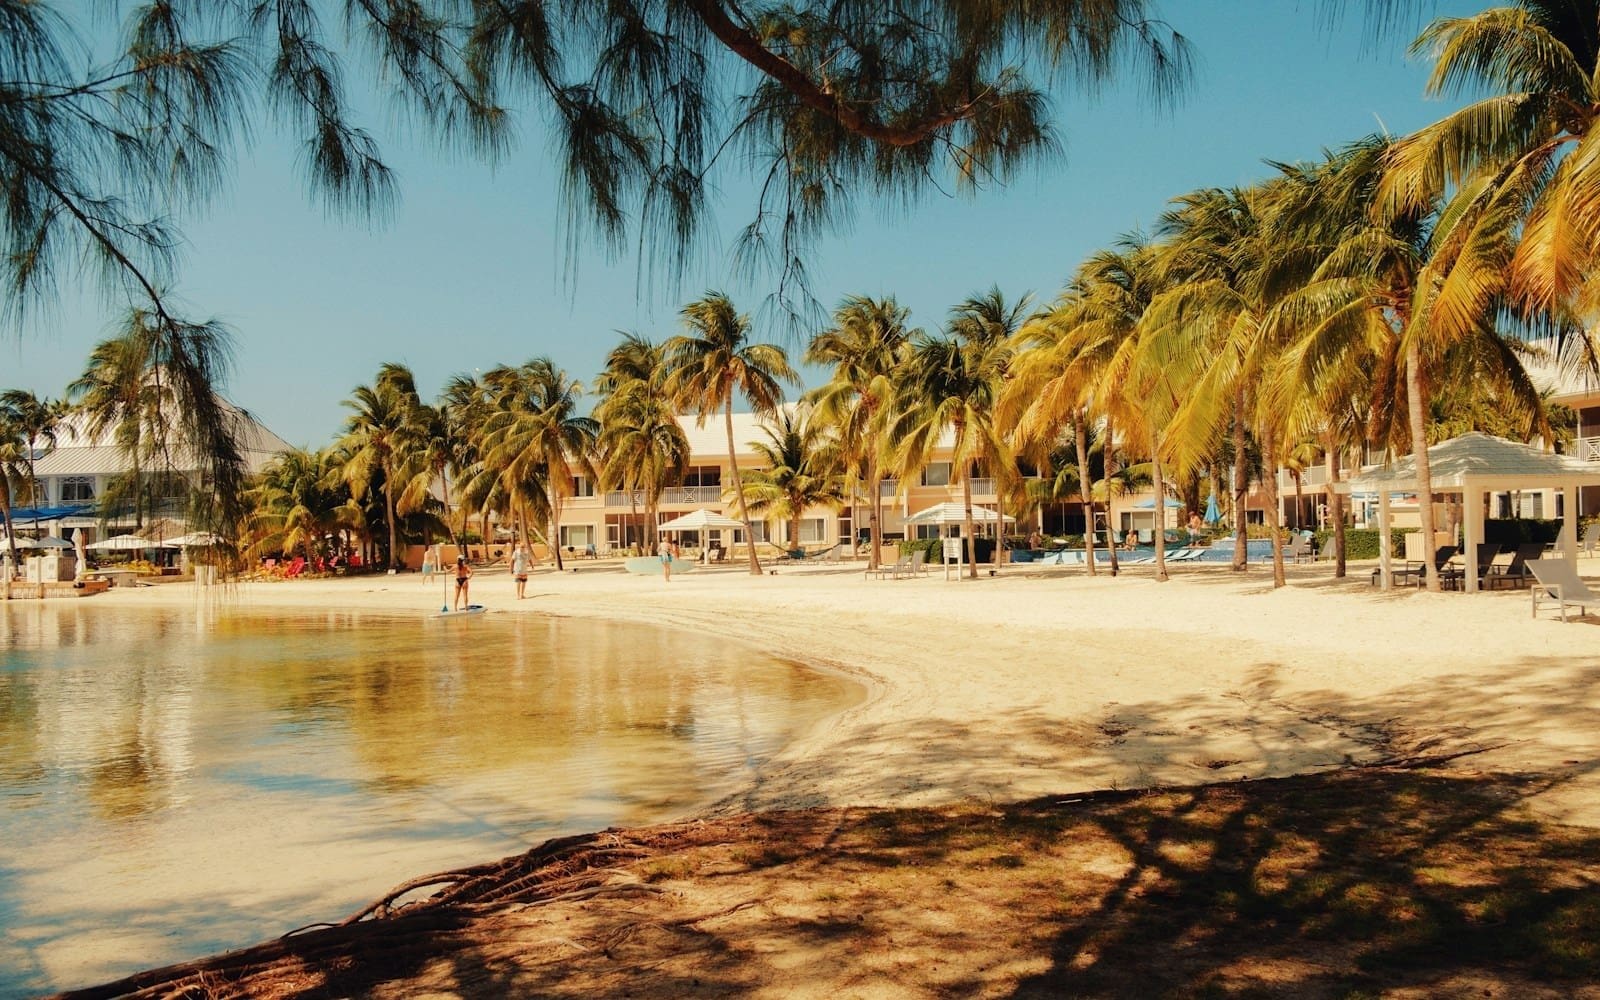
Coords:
519,570
463,579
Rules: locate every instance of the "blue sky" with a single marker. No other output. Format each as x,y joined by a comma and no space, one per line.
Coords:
472,270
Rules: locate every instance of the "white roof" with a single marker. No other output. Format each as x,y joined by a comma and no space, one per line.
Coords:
79,453
1483,460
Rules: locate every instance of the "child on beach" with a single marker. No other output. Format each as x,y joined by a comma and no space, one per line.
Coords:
519,570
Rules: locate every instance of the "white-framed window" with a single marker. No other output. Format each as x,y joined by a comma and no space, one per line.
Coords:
936,474
702,475
759,528
582,486
811,529
576,535
77,489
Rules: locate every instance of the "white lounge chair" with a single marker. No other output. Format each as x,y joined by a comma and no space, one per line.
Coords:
1556,581
917,565
1591,539
892,572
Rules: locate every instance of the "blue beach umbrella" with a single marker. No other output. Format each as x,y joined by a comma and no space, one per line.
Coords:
1212,516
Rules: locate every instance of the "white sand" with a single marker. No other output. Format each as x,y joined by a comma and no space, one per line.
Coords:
1042,681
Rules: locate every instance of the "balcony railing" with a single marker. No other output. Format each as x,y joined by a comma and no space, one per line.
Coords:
1587,448
670,495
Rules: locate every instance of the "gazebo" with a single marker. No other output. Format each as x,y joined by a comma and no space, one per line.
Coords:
1475,465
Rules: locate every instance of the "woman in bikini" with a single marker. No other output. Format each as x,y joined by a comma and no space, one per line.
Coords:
463,575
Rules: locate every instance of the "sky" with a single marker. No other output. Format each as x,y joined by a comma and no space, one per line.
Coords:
472,270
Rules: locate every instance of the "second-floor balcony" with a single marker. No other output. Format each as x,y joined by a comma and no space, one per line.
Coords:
670,495
1586,448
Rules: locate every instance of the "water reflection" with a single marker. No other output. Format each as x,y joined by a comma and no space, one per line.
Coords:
217,779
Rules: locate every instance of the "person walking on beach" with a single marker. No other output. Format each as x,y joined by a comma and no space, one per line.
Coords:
664,553
463,578
428,563
519,569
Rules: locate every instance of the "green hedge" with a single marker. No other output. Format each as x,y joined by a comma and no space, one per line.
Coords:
934,547
1511,532
1362,543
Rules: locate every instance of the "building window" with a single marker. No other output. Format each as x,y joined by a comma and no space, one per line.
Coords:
811,529
703,475
576,536
582,486
77,489
936,474
758,527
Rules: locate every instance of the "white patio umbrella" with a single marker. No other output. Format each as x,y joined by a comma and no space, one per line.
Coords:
47,542
121,543
951,512
701,520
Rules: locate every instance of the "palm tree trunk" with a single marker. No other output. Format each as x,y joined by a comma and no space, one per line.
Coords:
966,526
738,488
1416,405
388,504
1241,485
1335,511
875,486
1159,510
1110,468
1274,520
1081,433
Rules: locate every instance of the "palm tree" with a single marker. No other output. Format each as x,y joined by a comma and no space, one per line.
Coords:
1517,150
866,345
299,498
537,437
642,445
381,437
711,363
37,421
803,469
14,455
950,385
987,321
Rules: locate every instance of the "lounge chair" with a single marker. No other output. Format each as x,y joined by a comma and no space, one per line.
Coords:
892,572
1454,576
828,555
918,564
1591,539
1556,581
1328,550
1416,572
1298,550
1515,573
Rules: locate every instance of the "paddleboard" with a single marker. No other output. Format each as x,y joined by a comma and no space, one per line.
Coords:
471,609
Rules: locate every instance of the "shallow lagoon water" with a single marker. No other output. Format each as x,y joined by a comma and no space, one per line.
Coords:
176,783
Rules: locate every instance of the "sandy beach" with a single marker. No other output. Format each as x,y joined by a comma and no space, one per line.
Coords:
1040,681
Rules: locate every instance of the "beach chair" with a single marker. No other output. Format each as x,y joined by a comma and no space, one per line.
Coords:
1415,572
829,555
917,565
1556,581
1327,552
295,568
1591,539
1454,576
892,572
1298,550
1515,573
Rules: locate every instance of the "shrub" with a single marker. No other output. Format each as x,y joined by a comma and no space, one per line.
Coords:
1362,543
934,547
1511,532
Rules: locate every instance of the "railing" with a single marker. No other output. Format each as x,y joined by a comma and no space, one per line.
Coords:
887,488
670,495
1587,448
981,487
1314,477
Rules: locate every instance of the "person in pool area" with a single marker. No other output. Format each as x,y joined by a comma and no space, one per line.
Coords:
463,578
519,570
664,553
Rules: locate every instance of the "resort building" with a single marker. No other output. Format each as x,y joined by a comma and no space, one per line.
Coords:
77,474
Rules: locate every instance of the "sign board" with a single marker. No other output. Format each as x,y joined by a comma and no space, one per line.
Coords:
953,548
